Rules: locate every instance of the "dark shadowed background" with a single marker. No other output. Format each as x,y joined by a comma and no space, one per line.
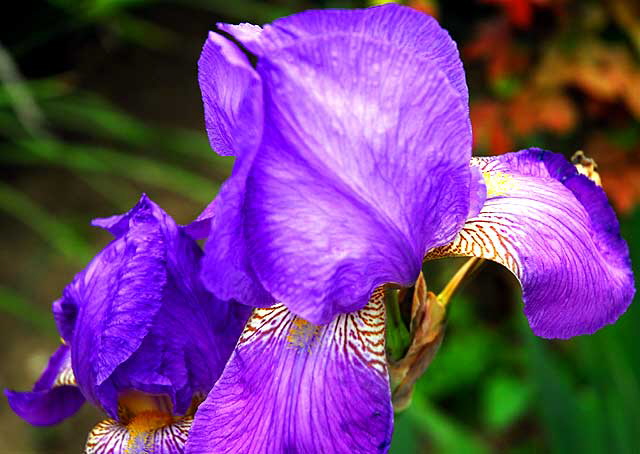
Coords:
99,101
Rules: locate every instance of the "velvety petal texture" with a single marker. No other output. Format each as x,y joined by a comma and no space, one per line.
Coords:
55,395
144,321
291,386
555,230
365,125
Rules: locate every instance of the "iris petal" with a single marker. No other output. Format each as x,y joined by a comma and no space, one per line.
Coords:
361,137
232,96
555,230
144,320
200,228
366,120
111,437
65,313
403,27
118,295
55,395
291,386
226,270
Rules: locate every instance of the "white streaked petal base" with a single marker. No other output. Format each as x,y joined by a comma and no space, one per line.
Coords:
292,386
111,437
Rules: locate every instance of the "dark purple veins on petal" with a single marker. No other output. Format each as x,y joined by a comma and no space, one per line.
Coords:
361,167
144,320
291,386
555,230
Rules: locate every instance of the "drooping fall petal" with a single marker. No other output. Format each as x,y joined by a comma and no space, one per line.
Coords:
555,230
291,386
54,397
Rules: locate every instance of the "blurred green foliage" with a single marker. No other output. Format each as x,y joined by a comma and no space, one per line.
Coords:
72,150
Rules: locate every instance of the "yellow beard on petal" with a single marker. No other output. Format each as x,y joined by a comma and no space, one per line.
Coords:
142,414
141,429
302,334
148,421
146,425
498,183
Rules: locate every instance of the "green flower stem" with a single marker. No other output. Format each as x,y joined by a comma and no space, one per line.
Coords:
398,338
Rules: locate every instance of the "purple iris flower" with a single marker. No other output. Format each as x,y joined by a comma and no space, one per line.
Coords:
353,148
143,339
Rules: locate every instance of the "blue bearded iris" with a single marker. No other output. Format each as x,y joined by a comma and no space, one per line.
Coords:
353,165
142,339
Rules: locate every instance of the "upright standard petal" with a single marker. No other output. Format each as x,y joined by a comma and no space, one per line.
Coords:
232,96
55,395
555,230
291,386
397,25
360,137
144,320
